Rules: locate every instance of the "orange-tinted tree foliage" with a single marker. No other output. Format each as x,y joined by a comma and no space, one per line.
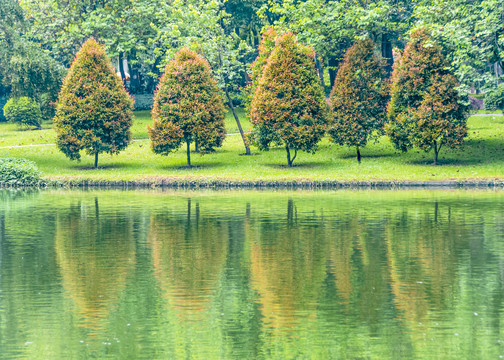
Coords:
187,107
424,110
261,133
288,105
359,97
94,112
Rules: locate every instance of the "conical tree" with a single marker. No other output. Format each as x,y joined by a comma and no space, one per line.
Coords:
359,97
289,100
424,110
260,133
187,106
94,112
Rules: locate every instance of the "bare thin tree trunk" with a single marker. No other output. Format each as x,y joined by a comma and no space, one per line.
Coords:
188,153
230,101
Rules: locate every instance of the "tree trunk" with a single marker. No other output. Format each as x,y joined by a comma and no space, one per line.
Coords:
121,68
96,160
320,70
387,53
436,152
134,74
358,155
230,101
188,153
333,69
289,160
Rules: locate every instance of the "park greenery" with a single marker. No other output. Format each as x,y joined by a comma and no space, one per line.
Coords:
425,110
94,110
359,97
302,70
289,100
187,107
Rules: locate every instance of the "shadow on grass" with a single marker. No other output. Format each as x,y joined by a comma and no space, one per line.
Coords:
367,156
473,152
301,165
102,167
196,166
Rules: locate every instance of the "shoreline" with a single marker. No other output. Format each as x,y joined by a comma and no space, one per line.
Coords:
204,183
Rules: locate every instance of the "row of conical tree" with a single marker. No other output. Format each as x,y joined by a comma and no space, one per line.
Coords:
420,107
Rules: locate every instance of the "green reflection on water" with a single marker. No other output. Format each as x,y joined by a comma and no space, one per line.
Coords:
244,274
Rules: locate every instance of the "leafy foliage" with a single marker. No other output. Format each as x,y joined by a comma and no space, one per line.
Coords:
472,32
31,72
261,134
187,107
332,26
94,111
205,27
18,172
25,68
289,101
359,97
494,99
425,109
23,111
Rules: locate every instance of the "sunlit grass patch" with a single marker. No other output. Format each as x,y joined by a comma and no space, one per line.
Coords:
481,157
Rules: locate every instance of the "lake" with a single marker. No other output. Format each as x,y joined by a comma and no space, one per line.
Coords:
234,274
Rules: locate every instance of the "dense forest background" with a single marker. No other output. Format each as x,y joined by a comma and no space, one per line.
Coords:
39,39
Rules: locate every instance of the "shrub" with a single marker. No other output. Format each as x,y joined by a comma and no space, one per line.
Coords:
28,70
425,110
359,97
94,112
23,111
18,172
289,104
187,106
494,99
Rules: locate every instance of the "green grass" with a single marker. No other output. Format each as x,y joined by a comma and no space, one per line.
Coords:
482,112
482,157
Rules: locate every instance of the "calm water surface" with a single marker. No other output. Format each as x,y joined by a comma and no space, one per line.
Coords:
251,275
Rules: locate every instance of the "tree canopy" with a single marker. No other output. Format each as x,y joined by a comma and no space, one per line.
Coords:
94,111
425,110
289,100
359,97
187,107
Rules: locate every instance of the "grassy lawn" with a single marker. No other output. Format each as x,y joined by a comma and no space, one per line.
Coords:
482,157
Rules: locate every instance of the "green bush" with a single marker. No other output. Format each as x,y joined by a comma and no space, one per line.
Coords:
19,172
425,109
288,105
94,112
494,100
23,111
187,107
359,97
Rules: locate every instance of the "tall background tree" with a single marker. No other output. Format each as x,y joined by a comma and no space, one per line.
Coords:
425,109
206,27
94,112
26,69
289,99
187,107
359,97
125,27
331,27
472,32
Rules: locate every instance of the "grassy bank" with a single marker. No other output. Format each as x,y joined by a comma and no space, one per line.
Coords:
482,158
